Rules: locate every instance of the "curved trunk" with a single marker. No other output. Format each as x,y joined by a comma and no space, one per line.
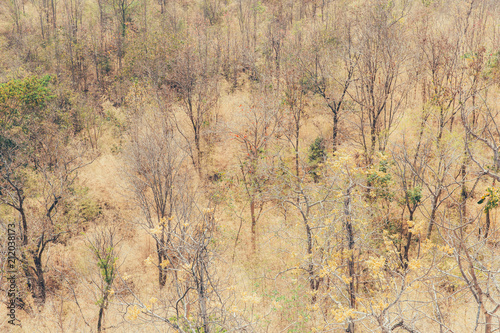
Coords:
39,290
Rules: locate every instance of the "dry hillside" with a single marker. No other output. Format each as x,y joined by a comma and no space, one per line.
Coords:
212,166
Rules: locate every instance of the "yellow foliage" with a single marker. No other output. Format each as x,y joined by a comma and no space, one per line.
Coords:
426,246
447,249
149,261
254,299
157,230
415,264
133,313
376,264
346,279
341,314
164,263
417,227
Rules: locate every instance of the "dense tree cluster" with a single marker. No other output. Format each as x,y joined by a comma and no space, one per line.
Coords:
279,166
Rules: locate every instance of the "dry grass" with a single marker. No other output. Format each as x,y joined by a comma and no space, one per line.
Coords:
264,287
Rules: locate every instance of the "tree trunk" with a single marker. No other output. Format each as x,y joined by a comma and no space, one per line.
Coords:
297,157
27,273
433,213
297,114
198,149
463,171
100,321
335,130
162,277
373,140
313,281
202,292
25,225
406,249
254,225
487,226
350,260
488,324
20,209
40,293
404,256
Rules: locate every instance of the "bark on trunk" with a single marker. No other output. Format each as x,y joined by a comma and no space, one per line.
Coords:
350,260
433,213
335,131
406,249
162,277
487,317
40,279
313,281
487,226
100,321
254,225
202,291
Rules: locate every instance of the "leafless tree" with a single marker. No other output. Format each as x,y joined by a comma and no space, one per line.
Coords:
330,68
295,99
381,88
195,79
255,132
156,166
477,261
197,299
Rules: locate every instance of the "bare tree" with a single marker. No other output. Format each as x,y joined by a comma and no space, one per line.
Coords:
315,203
330,70
197,300
276,34
477,261
195,79
155,167
254,132
295,99
122,11
380,89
